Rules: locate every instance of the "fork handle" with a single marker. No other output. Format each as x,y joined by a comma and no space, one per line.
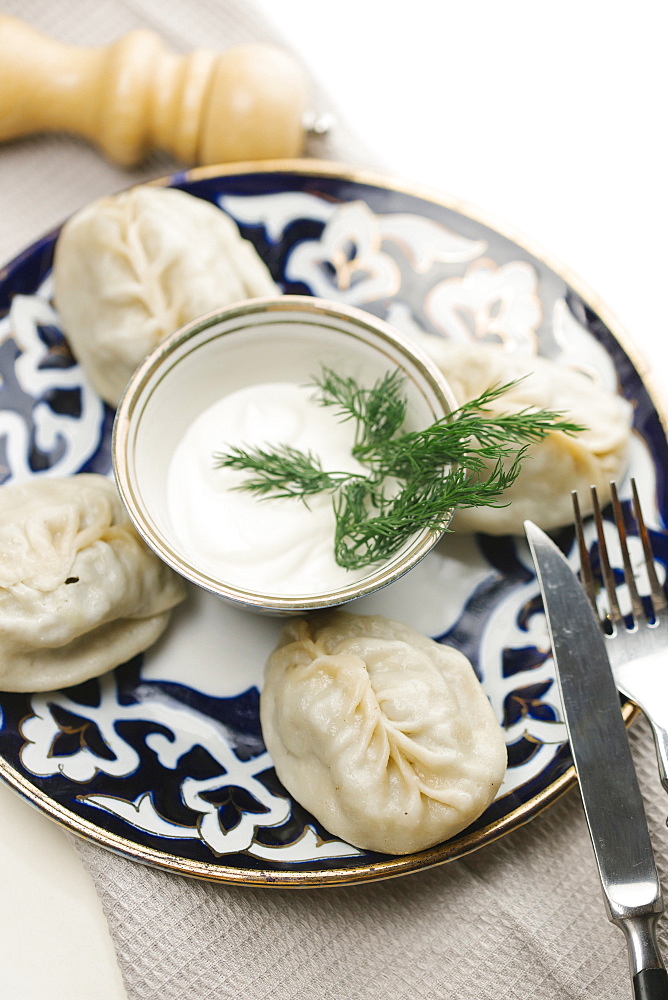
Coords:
661,743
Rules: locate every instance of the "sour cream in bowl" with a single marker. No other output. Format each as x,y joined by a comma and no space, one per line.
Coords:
243,378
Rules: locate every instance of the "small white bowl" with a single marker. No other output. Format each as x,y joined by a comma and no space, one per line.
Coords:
284,339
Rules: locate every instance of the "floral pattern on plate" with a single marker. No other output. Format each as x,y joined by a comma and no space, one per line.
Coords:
163,759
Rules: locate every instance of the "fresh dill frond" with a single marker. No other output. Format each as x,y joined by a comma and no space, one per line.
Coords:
469,436
415,479
364,537
283,471
378,412
370,527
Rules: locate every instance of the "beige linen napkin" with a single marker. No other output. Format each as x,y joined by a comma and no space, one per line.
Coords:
522,918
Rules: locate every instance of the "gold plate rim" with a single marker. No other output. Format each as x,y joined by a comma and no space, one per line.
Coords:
459,846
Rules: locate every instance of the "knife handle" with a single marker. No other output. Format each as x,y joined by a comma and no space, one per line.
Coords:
650,979
650,984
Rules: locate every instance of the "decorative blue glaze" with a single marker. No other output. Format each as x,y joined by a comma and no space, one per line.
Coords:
163,759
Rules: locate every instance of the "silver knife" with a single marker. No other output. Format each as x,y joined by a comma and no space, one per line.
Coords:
599,745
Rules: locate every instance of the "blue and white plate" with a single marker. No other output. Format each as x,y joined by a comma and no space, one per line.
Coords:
163,760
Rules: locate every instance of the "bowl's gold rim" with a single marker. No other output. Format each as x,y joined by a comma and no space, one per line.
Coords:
459,846
424,374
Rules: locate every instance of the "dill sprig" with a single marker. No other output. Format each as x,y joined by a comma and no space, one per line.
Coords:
468,436
282,472
378,412
415,479
371,527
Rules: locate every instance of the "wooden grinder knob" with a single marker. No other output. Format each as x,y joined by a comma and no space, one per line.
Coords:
134,96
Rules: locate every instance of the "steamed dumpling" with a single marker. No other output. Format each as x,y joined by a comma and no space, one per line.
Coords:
558,464
80,592
385,736
131,268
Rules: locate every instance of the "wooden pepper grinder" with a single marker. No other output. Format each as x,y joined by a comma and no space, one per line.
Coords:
134,96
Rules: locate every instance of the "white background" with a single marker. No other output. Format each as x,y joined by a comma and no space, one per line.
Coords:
550,117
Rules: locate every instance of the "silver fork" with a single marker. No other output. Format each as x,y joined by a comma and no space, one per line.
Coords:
637,640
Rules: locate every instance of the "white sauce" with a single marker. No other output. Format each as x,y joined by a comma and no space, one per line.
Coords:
277,546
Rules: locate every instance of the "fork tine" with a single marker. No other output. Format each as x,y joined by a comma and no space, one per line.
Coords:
637,607
586,574
658,597
615,613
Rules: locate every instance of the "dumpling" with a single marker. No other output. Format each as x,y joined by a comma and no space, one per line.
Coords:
133,267
558,464
80,592
385,736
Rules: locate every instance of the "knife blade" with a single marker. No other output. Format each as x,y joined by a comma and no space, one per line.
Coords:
599,745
